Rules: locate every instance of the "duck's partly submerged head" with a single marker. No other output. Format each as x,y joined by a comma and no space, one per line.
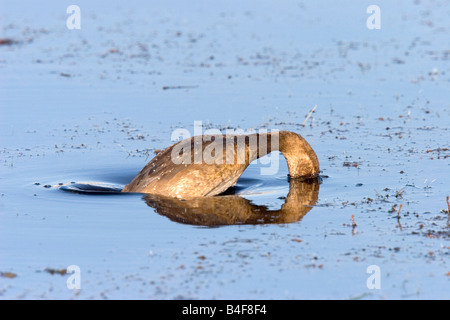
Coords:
301,159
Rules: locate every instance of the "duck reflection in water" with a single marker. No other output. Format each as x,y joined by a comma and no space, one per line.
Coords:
234,209
225,209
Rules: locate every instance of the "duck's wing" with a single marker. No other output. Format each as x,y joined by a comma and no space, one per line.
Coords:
197,166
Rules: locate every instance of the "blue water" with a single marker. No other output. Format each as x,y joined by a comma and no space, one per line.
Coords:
89,105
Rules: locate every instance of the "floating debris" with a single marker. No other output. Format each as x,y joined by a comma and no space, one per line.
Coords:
56,271
7,42
178,87
351,164
9,275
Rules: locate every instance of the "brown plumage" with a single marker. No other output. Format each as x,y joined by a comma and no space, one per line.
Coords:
208,165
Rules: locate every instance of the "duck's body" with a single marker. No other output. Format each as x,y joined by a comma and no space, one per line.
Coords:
198,171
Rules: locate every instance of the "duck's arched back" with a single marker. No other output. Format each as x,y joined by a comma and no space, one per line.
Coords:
208,165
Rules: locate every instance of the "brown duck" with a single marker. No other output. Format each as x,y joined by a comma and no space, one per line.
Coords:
210,164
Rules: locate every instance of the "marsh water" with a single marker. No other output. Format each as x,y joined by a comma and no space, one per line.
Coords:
91,106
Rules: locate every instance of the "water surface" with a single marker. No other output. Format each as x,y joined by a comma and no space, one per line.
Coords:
92,105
